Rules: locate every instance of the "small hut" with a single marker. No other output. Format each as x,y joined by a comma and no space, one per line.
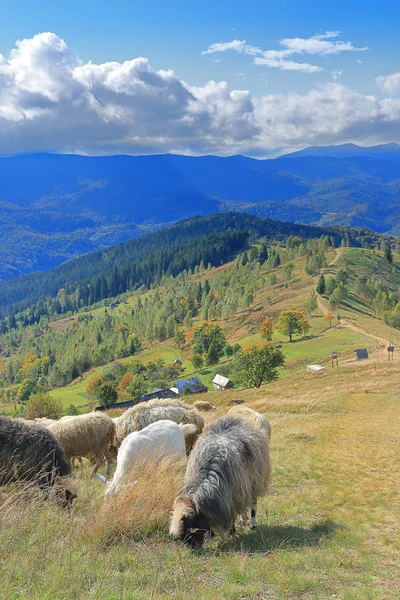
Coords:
221,383
177,361
361,353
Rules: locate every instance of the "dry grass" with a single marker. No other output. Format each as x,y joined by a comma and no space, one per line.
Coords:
141,509
329,527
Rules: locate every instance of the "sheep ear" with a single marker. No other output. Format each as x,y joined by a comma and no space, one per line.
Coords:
102,478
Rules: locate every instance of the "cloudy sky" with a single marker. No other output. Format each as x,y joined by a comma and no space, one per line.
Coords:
202,77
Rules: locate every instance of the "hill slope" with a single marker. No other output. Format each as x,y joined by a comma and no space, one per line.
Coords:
215,239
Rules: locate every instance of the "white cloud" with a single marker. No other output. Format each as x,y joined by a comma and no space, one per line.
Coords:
51,101
389,83
237,45
286,65
321,45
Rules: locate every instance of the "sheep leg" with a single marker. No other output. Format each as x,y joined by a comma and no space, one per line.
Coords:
108,459
232,530
253,521
97,464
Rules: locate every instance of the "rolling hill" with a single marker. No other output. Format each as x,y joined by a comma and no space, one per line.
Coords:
214,239
56,207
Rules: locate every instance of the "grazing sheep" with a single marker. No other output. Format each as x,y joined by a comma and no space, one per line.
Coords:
204,405
30,452
89,435
251,416
141,415
44,421
162,439
227,471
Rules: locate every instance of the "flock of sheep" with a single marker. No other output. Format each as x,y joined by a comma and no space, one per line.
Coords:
227,470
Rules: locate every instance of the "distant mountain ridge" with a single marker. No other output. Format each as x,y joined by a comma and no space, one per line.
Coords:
383,151
55,207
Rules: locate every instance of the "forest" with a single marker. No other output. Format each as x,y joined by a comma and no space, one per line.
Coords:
98,275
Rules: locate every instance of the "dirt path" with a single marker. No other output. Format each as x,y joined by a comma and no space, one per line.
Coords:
344,322
336,258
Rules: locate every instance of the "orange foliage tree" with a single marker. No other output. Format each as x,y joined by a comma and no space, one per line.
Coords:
328,317
266,329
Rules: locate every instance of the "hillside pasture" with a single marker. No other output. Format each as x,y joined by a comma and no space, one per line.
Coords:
328,528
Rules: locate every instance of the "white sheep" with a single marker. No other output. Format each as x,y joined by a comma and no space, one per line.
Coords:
141,415
159,440
89,435
251,416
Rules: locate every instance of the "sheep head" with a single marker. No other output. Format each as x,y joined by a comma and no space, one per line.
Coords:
187,524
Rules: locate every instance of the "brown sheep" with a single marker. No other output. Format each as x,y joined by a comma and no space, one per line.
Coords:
89,435
204,405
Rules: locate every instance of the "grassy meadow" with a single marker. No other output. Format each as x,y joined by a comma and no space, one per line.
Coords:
327,529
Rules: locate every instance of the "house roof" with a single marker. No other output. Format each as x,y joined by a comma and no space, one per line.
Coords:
158,393
193,383
221,380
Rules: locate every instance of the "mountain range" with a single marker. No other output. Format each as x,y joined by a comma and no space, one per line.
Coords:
54,207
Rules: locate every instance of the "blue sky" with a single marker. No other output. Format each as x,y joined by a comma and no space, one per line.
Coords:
298,54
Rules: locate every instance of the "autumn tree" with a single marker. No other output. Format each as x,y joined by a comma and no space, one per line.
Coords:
125,381
266,329
291,322
94,385
305,325
328,318
27,388
254,365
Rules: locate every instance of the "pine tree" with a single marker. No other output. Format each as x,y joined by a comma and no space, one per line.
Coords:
263,256
388,254
212,356
321,285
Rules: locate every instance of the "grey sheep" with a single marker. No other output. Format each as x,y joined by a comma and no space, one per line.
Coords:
30,452
142,415
229,468
90,435
251,416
